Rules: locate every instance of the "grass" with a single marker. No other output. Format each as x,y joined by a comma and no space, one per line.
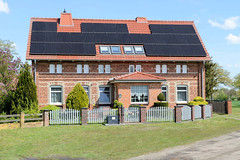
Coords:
110,142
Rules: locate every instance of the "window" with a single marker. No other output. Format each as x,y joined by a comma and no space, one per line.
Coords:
184,68
157,68
128,49
104,49
104,95
59,68
164,68
86,68
182,93
86,88
56,95
164,91
139,94
52,68
107,68
138,49
115,49
79,68
178,68
131,68
138,68
100,68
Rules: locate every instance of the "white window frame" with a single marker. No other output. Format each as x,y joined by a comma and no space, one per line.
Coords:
138,68
86,68
107,68
158,68
79,68
59,68
110,94
164,68
139,52
184,68
51,68
130,68
178,68
88,93
56,86
128,52
182,91
165,91
100,68
139,102
105,52
116,52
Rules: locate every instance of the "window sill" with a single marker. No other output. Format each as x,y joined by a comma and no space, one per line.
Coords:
56,104
182,102
104,103
139,102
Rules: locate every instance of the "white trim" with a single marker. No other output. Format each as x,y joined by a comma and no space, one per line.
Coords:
50,95
165,91
183,102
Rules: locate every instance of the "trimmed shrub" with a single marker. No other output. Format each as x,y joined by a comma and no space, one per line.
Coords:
134,105
161,97
117,104
77,98
50,107
160,104
198,101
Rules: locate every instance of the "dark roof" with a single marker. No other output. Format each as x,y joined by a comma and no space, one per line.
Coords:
164,40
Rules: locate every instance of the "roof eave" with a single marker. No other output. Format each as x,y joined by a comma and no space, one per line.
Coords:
137,81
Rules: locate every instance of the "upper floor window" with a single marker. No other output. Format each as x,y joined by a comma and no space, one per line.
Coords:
164,68
158,68
139,49
181,68
86,68
105,49
101,68
52,68
79,68
115,49
56,95
128,49
131,68
59,68
138,68
107,68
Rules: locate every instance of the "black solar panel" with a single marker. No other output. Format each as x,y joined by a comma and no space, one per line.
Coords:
104,27
179,29
44,26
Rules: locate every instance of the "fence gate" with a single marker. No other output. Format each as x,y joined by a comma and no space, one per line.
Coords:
198,112
64,116
132,114
158,114
186,113
208,111
99,115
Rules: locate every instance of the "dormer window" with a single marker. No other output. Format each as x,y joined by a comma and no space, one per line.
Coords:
105,49
138,49
115,49
128,49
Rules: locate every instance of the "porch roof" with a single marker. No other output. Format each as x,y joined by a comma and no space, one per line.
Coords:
137,77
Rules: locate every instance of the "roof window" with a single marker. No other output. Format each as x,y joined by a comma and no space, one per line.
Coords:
138,49
105,49
128,49
115,49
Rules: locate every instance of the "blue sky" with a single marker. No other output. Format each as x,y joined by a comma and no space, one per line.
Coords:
218,22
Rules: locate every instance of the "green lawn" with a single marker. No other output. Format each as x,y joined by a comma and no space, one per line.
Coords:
110,142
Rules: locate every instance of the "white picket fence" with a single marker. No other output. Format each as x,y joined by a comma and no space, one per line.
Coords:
156,114
64,116
99,115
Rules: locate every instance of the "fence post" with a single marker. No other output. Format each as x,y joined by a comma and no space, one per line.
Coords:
178,114
192,112
119,115
22,119
143,113
203,111
84,116
229,107
45,117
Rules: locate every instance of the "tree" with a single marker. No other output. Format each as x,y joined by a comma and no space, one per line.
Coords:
77,98
236,81
24,98
9,68
161,97
214,76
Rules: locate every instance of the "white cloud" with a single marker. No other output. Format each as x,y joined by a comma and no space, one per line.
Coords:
233,65
229,23
233,39
4,7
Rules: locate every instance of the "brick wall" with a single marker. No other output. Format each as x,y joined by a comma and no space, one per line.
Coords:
93,79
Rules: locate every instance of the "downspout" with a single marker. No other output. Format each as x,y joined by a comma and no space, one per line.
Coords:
35,69
202,78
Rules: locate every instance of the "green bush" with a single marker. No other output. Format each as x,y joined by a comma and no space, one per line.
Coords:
161,97
117,104
198,101
77,98
50,107
160,104
134,105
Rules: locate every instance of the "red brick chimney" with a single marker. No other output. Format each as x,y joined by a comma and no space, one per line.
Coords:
141,20
66,19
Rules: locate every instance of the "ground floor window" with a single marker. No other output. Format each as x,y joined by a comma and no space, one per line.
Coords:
164,91
139,94
104,94
181,93
56,94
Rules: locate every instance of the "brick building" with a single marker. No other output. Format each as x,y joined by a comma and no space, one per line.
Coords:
128,60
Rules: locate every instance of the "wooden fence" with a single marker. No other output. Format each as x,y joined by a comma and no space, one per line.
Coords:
157,114
221,106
